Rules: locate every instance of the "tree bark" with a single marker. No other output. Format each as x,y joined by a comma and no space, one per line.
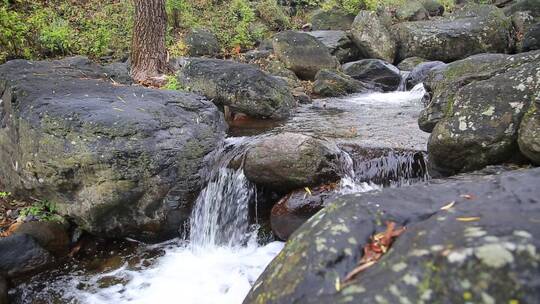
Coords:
148,51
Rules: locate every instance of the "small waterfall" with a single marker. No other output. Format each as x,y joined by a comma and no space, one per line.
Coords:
220,215
403,83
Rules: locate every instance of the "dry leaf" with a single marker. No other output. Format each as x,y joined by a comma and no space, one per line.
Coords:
468,219
448,206
467,196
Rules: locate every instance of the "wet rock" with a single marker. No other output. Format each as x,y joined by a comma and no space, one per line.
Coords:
433,7
3,290
289,161
376,72
372,37
408,64
484,247
529,133
201,42
303,54
412,10
339,44
297,207
21,254
480,124
242,87
455,37
531,40
420,72
51,236
117,160
333,83
334,19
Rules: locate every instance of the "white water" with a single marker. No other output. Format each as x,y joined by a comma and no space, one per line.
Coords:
222,259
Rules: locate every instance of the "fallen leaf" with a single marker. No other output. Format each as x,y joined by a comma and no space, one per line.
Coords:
448,206
307,190
467,196
468,219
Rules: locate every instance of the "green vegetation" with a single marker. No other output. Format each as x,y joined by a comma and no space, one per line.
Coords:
172,83
43,211
102,29
4,194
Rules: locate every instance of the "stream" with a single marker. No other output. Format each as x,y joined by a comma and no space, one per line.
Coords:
226,249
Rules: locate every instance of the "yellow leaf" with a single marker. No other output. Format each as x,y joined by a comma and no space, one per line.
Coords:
448,206
307,190
468,219
117,109
338,284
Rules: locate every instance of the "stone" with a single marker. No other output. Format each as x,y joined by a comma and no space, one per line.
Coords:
532,6
375,72
531,40
52,236
529,133
201,42
456,37
481,121
333,83
20,254
303,54
288,161
118,72
372,37
411,10
485,247
420,72
117,160
433,7
334,19
339,44
297,207
242,87
408,64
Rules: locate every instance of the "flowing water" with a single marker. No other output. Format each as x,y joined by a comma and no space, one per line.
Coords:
222,257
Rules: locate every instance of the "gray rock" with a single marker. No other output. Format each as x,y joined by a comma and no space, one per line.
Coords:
532,6
288,161
375,72
334,19
456,37
420,72
482,114
330,83
118,72
531,40
412,10
242,87
529,133
339,44
20,254
372,37
408,64
484,247
201,42
303,54
433,7
117,160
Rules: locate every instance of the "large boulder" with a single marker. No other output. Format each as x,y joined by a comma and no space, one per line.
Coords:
50,235
201,42
117,160
529,133
376,72
289,161
433,7
455,37
330,83
21,254
339,44
334,19
480,122
408,64
420,73
372,37
242,87
532,6
482,247
303,54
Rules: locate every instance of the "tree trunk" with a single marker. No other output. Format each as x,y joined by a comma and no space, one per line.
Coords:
148,52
